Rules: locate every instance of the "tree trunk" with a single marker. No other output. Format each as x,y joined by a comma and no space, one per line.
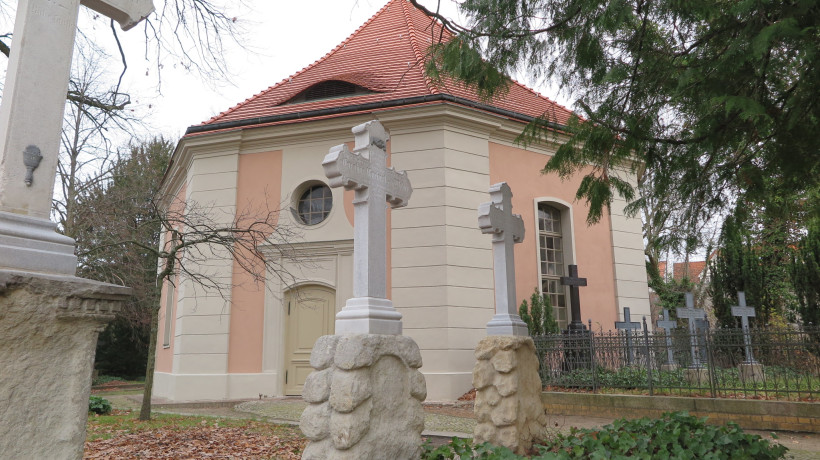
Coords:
145,410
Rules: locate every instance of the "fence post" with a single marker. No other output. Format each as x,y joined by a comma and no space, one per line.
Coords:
710,359
648,357
592,355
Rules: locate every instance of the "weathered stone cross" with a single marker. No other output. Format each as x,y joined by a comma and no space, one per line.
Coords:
365,171
628,325
745,312
691,314
667,325
31,115
573,281
495,217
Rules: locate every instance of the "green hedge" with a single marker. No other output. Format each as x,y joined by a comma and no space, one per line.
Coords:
675,435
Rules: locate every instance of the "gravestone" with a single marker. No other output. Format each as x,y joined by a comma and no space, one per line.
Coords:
365,171
577,338
49,319
695,372
627,325
750,369
508,404
667,325
574,282
496,218
366,390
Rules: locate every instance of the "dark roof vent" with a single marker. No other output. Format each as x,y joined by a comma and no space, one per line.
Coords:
329,89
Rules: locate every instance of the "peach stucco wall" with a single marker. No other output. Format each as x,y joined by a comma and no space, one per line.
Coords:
257,187
165,356
521,169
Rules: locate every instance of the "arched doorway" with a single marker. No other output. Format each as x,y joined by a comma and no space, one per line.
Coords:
310,314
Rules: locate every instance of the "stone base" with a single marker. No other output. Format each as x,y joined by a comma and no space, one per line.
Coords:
48,335
33,245
508,393
368,315
669,367
751,372
365,398
697,375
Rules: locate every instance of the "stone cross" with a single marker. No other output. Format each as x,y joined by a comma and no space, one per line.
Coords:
573,281
745,312
31,115
628,325
496,217
691,314
365,171
667,325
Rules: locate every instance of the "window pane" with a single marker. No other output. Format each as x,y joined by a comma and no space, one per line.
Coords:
315,204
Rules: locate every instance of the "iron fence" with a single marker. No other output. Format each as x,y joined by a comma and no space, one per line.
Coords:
784,363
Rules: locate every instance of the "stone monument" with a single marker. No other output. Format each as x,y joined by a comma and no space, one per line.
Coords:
667,324
750,369
508,403
496,218
627,325
695,372
366,391
49,319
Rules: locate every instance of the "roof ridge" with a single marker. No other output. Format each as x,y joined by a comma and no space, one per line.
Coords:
304,69
431,86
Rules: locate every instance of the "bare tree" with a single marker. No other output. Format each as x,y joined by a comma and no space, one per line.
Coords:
123,224
94,115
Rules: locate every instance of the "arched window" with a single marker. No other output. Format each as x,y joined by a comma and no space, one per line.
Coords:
551,259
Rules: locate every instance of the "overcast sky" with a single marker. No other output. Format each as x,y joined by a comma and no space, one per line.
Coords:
281,38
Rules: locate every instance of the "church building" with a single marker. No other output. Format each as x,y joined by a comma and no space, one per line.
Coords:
256,339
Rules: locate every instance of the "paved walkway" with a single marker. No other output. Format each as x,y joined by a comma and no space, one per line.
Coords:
441,420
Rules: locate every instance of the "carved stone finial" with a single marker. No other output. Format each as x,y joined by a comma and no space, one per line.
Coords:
31,158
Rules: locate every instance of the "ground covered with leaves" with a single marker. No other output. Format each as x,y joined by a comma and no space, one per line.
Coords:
121,436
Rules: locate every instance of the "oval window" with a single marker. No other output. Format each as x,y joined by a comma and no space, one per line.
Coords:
314,204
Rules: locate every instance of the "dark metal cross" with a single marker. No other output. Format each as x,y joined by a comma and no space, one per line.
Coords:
628,325
745,312
667,325
573,281
691,313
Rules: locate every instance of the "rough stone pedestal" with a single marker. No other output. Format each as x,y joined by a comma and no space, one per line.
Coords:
669,367
48,334
508,393
697,375
751,372
365,398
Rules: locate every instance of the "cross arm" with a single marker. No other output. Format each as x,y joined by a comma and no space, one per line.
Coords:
398,188
487,214
128,13
344,168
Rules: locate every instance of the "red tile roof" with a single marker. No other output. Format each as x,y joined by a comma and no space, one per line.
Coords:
691,270
385,55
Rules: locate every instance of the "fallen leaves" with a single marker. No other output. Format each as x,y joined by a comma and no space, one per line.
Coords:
194,438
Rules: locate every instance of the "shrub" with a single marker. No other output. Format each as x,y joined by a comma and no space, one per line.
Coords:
676,435
538,314
99,405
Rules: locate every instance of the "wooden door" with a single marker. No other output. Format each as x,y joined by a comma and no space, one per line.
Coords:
311,312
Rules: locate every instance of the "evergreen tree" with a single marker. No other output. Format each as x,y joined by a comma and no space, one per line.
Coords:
524,313
538,314
711,97
806,275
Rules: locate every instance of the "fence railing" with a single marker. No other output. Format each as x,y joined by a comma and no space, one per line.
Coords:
785,363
